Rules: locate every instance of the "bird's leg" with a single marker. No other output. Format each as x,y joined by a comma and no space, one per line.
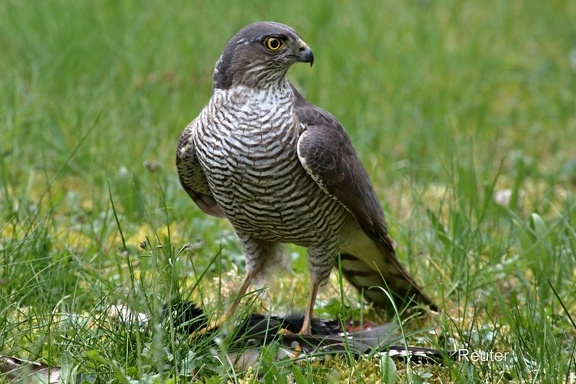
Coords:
230,312
306,325
321,258
232,309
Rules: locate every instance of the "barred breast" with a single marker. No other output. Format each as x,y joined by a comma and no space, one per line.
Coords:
247,149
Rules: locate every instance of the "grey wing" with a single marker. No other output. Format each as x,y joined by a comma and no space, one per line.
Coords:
192,177
326,153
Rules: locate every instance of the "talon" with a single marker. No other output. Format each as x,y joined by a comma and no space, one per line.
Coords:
297,350
214,326
304,331
285,332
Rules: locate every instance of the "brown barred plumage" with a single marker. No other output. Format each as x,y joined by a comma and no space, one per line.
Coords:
284,171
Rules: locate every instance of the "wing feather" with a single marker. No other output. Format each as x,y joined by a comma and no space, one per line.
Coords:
191,175
326,153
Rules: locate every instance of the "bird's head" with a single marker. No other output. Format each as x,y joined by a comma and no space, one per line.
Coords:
259,55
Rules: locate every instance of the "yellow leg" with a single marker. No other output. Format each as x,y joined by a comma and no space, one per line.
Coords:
306,325
232,309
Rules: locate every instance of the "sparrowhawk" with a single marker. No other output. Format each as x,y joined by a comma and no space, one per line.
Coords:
283,170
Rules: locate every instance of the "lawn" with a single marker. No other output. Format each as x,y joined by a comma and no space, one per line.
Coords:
464,114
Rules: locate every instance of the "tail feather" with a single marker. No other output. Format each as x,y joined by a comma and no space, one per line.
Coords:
372,281
372,266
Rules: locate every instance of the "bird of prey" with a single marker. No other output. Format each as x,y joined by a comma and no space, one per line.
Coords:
283,170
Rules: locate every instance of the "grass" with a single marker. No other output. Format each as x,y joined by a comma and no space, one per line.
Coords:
449,104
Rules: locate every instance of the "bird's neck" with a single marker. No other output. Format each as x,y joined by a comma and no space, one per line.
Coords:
257,77
278,93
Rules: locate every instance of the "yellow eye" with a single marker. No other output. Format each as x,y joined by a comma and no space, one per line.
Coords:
273,43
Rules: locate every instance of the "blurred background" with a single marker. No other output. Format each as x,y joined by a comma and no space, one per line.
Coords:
463,112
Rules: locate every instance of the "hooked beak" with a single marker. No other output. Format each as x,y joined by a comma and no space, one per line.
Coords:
305,54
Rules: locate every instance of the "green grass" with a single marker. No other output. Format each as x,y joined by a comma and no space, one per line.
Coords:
447,102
